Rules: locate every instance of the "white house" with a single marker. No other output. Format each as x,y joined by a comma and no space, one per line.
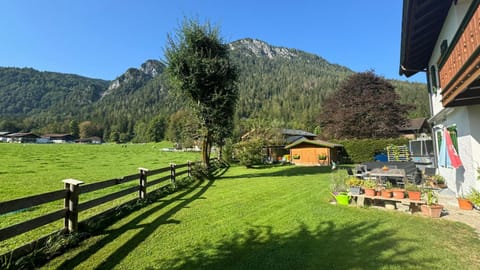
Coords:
442,38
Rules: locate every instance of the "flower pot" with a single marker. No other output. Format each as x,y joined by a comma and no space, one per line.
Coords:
464,204
355,190
369,192
386,193
434,210
342,199
398,193
414,195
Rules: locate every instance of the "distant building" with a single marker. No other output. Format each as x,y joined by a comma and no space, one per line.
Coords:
3,136
59,138
413,128
22,138
314,152
91,140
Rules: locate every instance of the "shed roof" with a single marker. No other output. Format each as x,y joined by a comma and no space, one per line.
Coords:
22,135
314,142
414,124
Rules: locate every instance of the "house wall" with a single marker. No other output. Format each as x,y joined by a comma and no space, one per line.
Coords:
309,155
465,118
454,18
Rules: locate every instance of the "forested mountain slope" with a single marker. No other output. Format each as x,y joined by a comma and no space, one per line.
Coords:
276,85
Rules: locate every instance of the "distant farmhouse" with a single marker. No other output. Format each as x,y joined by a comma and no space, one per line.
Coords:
58,138
22,138
28,137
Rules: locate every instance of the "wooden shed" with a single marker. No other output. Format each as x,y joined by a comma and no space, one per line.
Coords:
313,152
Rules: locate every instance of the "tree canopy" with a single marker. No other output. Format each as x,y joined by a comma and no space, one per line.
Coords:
365,106
199,66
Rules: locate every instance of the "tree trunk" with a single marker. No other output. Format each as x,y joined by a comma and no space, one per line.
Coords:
206,151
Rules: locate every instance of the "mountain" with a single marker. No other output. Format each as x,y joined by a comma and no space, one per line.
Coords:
281,86
25,91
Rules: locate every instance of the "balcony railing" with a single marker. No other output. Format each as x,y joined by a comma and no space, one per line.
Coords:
459,67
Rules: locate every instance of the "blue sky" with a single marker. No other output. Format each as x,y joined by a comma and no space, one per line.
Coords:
103,38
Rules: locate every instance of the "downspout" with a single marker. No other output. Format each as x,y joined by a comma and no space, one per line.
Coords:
430,104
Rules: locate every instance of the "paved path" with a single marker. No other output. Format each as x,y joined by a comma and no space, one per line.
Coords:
454,213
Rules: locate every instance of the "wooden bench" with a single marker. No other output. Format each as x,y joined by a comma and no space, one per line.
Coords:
359,200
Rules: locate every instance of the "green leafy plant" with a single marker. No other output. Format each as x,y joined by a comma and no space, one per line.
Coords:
388,185
322,157
438,179
411,187
353,181
338,183
296,156
474,197
430,196
369,183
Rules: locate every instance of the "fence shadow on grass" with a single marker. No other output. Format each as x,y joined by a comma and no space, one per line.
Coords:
355,246
281,171
195,192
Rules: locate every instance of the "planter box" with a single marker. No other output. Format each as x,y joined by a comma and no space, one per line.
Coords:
464,204
434,210
414,195
369,192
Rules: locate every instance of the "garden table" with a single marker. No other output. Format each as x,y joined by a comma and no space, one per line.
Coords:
379,173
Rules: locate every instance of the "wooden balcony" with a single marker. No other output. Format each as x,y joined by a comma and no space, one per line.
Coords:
459,68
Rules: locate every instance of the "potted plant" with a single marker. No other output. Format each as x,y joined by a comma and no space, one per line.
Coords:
398,193
474,198
387,192
413,191
369,187
296,156
339,189
436,181
431,208
355,184
322,157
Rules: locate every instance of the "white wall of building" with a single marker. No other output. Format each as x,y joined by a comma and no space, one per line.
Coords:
465,118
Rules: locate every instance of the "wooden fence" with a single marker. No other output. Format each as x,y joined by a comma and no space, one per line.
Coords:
71,193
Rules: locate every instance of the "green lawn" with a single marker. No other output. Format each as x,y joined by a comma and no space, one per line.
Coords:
272,218
31,169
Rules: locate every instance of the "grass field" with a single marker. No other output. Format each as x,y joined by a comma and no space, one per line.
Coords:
272,218
30,169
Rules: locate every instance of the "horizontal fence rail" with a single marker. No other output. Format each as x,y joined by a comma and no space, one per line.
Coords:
72,191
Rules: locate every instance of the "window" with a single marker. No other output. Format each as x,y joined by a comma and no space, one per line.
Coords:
453,134
433,76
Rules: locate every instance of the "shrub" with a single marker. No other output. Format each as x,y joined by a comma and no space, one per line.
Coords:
249,152
360,150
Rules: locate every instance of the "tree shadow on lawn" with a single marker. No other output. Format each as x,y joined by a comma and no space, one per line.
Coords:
354,246
290,170
146,230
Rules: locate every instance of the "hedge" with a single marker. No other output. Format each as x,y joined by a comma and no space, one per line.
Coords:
360,150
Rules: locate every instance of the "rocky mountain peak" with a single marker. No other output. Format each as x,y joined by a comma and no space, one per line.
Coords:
260,48
148,70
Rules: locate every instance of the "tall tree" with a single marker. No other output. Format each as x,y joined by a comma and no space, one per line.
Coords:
200,67
365,106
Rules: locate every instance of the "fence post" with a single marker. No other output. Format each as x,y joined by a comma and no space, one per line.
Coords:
142,191
172,174
189,172
72,187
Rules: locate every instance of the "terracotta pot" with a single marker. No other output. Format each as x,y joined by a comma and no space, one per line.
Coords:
398,193
434,210
369,192
414,195
386,193
464,204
